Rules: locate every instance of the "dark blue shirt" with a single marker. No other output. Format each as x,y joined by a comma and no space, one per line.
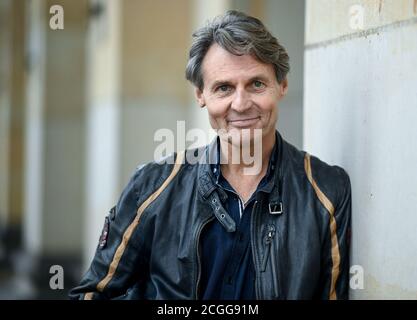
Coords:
227,265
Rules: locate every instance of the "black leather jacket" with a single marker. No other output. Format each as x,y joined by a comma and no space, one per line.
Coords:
149,248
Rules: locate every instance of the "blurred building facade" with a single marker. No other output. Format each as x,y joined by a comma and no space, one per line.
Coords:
79,108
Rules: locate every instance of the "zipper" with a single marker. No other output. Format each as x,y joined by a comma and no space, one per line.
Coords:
269,251
198,254
268,246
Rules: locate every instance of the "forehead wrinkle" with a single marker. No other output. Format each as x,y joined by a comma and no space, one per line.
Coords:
229,72
225,66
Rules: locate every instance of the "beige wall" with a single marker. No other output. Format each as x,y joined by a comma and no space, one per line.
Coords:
154,92
335,13
360,113
155,35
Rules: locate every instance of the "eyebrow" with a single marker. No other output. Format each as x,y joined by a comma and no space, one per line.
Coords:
219,83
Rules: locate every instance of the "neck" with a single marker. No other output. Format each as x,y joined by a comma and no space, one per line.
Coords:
229,150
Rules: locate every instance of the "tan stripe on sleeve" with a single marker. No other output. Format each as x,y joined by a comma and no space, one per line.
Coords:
88,296
128,233
333,230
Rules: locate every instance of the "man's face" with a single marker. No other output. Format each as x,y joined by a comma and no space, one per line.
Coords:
240,93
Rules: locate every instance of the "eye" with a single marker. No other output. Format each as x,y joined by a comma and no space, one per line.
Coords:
258,84
223,88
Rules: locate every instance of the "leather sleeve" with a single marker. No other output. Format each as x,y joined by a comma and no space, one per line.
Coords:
336,247
119,264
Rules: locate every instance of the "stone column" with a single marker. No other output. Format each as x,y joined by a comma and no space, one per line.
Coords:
103,119
55,150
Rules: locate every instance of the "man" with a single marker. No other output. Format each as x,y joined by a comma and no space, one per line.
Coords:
210,230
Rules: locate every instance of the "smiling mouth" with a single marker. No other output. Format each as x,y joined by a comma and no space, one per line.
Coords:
243,123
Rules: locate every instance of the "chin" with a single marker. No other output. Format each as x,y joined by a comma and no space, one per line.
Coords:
242,136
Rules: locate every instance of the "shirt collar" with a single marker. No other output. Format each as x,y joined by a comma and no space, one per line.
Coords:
267,182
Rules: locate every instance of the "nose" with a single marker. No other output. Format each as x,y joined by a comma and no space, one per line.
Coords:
241,100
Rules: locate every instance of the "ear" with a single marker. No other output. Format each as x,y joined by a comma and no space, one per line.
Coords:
200,97
284,87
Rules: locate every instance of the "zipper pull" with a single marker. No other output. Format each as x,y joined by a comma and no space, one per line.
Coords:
268,240
271,233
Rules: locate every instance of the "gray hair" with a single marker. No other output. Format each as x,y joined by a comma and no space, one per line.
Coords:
239,34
